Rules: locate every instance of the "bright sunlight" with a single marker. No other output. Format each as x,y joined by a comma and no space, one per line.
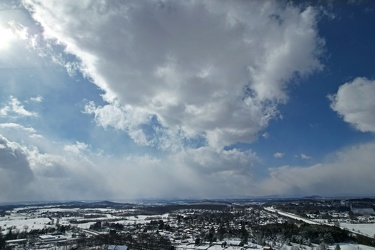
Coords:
6,37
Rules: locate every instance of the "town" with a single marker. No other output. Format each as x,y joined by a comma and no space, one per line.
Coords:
308,223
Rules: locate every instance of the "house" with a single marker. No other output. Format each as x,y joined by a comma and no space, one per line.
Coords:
47,238
15,243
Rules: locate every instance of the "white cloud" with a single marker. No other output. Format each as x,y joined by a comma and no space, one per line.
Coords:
16,126
278,155
76,148
14,170
13,156
28,174
20,45
122,118
69,174
37,136
194,173
208,160
36,99
265,135
199,68
61,171
56,170
16,109
19,30
305,157
19,133
351,172
354,101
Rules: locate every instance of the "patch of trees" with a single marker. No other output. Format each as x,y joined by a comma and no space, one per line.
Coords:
225,231
363,203
158,225
2,241
117,226
96,226
361,239
148,242
98,204
302,208
141,241
305,233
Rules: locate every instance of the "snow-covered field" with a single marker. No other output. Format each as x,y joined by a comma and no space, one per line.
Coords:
368,229
22,223
355,247
343,246
229,247
290,215
33,217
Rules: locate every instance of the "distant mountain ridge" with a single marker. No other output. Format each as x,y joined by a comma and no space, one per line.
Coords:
161,202
313,197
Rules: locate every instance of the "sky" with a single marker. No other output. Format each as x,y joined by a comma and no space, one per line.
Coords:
187,99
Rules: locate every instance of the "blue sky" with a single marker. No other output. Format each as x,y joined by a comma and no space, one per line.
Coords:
190,99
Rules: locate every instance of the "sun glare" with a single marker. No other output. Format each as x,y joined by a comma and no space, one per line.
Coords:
6,37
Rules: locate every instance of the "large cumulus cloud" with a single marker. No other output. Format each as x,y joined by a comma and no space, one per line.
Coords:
354,101
208,69
15,171
26,173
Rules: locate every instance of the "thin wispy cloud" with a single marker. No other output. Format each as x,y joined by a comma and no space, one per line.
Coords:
278,155
16,126
36,99
305,157
15,108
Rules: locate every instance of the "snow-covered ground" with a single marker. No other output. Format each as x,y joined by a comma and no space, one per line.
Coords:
355,247
29,218
22,223
368,229
290,215
343,246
